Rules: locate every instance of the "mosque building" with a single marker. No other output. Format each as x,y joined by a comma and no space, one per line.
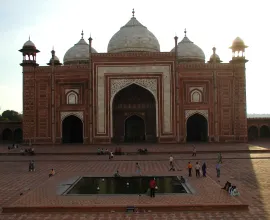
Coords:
134,92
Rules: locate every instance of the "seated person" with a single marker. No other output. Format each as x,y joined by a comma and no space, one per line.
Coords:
52,173
182,179
227,186
102,151
22,152
106,151
98,151
235,192
117,174
32,151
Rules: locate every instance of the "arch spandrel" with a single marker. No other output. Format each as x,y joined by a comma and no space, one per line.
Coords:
189,113
63,115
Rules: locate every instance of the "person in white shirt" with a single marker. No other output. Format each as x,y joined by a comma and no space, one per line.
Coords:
197,169
171,160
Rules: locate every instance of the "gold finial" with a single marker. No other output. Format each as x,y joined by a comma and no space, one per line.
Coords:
214,50
133,12
185,32
29,37
82,34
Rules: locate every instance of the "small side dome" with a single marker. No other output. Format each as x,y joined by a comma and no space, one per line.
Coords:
133,37
187,51
79,53
56,61
238,44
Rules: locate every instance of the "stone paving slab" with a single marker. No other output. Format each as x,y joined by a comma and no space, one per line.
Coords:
250,176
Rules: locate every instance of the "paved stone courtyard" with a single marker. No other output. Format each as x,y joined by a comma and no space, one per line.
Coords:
249,172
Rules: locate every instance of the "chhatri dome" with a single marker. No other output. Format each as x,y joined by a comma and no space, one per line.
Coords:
79,53
133,37
187,51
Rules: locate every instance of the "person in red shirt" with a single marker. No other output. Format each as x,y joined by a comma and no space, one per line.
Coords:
152,186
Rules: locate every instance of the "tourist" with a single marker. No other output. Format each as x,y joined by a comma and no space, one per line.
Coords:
218,170
219,160
98,151
152,186
171,160
204,169
138,169
117,174
182,179
106,151
194,152
31,166
172,168
235,192
102,151
52,173
189,169
227,186
111,155
197,169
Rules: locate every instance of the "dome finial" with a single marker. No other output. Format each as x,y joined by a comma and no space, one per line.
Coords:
133,12
185,32
82,34
29,37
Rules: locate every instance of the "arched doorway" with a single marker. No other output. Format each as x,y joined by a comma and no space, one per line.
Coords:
72,130
264,132
253,133
134,107
197,128
7,135
134,129
18,135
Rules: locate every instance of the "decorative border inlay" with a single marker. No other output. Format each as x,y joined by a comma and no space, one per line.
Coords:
200,88
63,115
133,70
119,84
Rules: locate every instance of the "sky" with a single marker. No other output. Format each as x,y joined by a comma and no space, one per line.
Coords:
209,23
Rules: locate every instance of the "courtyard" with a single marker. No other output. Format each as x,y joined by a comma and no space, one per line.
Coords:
32,195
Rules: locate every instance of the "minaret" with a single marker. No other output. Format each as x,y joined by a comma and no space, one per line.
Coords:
29,64
90,94
238,51
29,52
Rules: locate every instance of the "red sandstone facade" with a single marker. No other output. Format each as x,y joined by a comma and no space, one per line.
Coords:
185,95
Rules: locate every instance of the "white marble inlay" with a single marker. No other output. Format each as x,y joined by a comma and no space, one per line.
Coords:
133,71
189,113
63,115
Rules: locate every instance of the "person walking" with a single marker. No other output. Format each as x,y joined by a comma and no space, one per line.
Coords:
194,152
138,169
197,169
171,160
218,170
189,169
204,169
152,186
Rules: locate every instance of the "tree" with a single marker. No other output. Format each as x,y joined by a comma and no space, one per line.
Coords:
10,115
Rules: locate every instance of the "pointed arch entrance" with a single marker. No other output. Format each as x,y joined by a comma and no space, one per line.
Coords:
197,128
134,129
72,130
134,115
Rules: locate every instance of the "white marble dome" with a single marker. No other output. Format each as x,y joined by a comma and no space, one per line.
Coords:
188,51
133,37
78,53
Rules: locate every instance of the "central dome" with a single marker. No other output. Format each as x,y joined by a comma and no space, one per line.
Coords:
133,37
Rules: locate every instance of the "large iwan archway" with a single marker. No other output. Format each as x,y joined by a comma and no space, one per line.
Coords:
197,128
72,130
134,115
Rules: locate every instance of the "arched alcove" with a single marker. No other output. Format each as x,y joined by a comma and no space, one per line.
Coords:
18,135
72,130
197,128
7,135
264,131
253,133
